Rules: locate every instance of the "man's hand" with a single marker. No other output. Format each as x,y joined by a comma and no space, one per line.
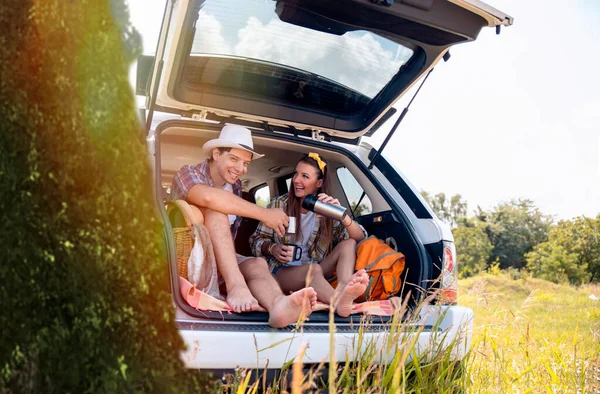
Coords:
276,219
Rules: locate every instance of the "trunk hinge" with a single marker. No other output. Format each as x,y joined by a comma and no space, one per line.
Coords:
200,115
317,136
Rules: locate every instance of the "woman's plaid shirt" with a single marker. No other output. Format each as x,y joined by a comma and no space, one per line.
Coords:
317,248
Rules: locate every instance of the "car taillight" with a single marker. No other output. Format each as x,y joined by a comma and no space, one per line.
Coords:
449,279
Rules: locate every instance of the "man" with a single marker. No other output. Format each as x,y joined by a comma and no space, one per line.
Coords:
215,187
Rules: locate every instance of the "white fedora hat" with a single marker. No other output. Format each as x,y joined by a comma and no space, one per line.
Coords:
232,136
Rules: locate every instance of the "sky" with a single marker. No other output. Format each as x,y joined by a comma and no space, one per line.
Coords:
515,115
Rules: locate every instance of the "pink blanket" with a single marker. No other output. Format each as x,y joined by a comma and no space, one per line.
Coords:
204,302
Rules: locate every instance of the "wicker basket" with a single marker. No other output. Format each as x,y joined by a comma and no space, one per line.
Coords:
181,218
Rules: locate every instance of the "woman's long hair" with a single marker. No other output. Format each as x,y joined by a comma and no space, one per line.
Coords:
294,205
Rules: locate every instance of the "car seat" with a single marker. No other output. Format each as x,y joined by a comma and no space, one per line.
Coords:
247,228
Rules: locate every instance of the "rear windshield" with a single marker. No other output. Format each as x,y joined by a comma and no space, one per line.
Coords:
245,47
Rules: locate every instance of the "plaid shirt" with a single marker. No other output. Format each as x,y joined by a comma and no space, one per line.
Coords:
190,176
317,248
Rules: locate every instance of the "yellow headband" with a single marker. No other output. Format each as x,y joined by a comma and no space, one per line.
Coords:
320,162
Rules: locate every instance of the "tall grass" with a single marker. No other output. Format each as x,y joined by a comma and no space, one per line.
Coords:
530,336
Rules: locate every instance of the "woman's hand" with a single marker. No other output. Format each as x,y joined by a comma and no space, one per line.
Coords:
327,199
282,253
324,198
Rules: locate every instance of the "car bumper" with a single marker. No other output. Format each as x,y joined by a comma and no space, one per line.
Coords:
227,345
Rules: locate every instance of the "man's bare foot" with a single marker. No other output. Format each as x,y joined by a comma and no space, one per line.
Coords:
354,288
290,309
241,300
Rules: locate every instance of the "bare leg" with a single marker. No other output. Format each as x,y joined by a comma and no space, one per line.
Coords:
283,310
341,260
238,295
293,278
197,216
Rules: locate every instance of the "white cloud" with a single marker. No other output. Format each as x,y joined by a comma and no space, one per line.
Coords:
355,59
209,38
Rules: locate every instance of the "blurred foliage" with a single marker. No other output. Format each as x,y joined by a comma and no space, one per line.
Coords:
359,210
263,202
85,299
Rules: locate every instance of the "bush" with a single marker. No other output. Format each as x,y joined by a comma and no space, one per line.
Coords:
554,263
86,306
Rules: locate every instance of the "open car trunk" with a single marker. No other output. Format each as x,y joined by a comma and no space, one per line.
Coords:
179,142
336,67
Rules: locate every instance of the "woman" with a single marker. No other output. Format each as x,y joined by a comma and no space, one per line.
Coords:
328,246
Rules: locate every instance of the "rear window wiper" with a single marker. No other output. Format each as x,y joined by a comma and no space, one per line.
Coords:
390,134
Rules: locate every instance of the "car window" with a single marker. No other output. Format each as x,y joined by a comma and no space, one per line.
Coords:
354,192
246,46
262,196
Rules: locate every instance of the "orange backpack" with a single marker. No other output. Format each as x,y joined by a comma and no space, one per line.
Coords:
383,264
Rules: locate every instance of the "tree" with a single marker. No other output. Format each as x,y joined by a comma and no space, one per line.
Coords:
514,228
581,237
553,262
263,202
360,210
85,299
453,212
473,249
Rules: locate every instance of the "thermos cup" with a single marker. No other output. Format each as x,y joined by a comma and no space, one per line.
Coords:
335,212
292,225
296,251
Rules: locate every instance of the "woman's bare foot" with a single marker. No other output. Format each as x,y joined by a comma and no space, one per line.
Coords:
290,309
241,300
354,288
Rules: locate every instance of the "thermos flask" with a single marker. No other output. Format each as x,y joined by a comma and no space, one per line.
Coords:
335,212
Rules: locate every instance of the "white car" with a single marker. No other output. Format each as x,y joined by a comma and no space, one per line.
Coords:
309,75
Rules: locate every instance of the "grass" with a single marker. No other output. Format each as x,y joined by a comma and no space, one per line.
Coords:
530,336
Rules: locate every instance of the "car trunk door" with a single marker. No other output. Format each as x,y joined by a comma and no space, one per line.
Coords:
318,66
